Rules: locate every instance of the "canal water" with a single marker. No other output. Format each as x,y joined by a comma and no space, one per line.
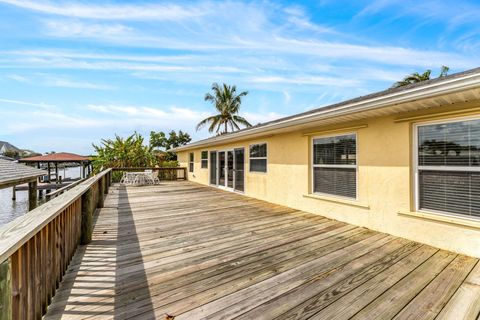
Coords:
9,210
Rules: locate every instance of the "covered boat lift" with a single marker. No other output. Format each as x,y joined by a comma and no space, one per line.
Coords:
62,157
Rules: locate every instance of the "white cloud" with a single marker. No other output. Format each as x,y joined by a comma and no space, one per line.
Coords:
69,28
287,97
92,10
66,83
256,118
17,77
306,80
157,113
41,105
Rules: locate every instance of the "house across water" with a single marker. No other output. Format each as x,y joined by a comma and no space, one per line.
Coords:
405,161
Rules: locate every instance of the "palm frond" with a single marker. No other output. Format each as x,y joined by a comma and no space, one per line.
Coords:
242,121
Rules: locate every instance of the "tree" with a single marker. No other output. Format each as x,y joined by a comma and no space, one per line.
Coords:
417,77
227,105
120,152
161,144
175,140
12,154
444,71
158,140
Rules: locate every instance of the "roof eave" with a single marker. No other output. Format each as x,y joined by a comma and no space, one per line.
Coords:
430,90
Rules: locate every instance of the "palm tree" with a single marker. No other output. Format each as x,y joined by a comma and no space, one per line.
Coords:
417,77
227,103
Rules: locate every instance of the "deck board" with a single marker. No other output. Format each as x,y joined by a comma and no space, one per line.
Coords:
195,252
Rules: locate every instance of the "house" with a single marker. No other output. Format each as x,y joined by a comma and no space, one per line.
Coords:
404,161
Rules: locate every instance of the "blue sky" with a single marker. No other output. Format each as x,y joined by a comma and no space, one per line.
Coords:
73,72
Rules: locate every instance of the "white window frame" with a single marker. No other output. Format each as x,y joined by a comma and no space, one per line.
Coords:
344,166
417,168
191,162
258,158
202,160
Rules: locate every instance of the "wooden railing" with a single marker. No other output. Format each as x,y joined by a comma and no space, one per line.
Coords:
176,173
58,192
36,249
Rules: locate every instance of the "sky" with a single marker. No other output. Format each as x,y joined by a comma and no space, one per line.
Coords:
74,72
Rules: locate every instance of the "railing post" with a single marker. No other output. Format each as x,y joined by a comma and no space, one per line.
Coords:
87,216
101,191
5,290
105,185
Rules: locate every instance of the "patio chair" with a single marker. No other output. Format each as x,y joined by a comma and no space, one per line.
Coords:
155,178
150,177
128,178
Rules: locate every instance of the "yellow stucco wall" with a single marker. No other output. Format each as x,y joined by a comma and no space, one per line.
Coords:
385,185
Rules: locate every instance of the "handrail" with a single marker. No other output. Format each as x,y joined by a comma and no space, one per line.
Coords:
17,232
165,173
36,249
62,189
147,168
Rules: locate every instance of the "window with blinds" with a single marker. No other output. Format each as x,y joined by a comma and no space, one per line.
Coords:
335,165
448,167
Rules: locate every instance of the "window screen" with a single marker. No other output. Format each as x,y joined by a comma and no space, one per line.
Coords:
258,157
204,159
335,165
449,167
191,162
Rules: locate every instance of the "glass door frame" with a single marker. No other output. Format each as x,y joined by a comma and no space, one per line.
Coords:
225,170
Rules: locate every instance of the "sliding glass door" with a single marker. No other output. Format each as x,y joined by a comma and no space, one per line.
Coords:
213,167
227,169
239,169
221,168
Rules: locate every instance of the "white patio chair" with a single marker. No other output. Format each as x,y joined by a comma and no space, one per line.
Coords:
155,178
128,178
149,178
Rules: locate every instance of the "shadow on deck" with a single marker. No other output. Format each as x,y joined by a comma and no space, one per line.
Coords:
196,252
102,271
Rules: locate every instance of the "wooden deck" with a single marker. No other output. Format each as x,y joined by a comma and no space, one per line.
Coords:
195,252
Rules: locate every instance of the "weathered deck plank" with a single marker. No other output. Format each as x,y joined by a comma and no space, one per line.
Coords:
196,252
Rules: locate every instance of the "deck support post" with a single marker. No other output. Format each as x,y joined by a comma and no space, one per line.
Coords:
14,194
32,195
87,217
5,290
56,172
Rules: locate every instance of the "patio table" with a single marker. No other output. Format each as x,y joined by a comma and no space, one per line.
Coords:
136,178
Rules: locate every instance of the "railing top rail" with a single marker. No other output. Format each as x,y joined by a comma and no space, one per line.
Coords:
146,168
14,234
69,186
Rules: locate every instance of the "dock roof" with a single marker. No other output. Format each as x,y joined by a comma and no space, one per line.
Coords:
12,173
57,157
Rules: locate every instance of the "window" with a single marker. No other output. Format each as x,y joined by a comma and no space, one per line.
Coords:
448,167
335,165
191,162
204,160
258,157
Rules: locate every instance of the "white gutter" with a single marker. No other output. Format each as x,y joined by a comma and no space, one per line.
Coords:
469,81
